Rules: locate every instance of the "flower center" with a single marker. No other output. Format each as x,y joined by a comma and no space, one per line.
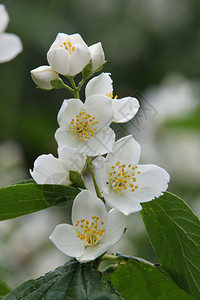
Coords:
110,95
123,178
68,47
83,126
90,232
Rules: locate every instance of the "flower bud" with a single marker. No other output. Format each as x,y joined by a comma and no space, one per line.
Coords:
97,55
69,54
42,76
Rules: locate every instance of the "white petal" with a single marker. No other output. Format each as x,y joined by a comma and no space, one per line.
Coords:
79,59
59,60
101,143
42,77
126,150
152,182
66,141
65,239
71,161
97,55
69,109
124,109
60,38
100,107
101,174
86,204
123,203
49,170
77,39
101,84
10,46
115,226
93,252
4,18
57,57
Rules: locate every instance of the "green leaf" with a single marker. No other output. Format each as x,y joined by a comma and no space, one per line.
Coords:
71,281
25,198
141,280
4,289
25,181
174,232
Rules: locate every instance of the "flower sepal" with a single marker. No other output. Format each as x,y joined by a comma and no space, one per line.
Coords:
77,180
88,70
58,84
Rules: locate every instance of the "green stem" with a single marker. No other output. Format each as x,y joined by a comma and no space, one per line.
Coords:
110,257
69,89
97,189
81,83
75,88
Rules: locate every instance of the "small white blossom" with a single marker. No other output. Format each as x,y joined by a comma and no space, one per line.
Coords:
10,44
124,183
97,55
84,127
42,77
50,170
69,54
124,109
93,230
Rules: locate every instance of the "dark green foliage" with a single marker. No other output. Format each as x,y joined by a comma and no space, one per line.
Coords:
73,281
174,232
139,280
25,198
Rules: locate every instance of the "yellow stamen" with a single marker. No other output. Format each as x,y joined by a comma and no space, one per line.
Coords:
123,181
82,126
90,233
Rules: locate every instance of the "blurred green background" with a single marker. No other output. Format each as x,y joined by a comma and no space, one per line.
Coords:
153,53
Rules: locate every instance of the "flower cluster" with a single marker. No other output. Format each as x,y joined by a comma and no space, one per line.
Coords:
10,44
86,140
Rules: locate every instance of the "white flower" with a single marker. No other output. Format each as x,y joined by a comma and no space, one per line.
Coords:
42,77
10,44
97,55
50,170
69,54
93,229
124,183
84,127
124,109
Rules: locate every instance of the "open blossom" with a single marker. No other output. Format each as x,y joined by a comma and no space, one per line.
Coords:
125,183
10,44
84,128
97,56
124,109
43,75
50,170
93,229
69,54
